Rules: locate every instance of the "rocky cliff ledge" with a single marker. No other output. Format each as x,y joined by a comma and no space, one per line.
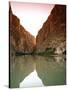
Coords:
53,32
20,39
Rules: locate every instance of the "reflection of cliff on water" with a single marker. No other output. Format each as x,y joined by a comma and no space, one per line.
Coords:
51,70
19,69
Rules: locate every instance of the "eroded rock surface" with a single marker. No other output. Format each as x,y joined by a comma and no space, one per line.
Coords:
53,32
20,39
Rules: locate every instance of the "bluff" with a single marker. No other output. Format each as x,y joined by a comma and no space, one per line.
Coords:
53,32
20,39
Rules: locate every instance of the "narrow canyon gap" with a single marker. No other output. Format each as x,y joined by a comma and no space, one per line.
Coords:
31,15
28,53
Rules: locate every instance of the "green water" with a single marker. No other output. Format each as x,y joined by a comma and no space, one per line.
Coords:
50,70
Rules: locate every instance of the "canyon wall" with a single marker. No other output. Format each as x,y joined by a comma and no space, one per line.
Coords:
20,39
53,32
52,35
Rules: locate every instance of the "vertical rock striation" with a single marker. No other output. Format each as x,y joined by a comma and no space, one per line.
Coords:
20,39
53,32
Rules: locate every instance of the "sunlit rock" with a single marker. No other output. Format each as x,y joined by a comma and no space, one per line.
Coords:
53,32
21,39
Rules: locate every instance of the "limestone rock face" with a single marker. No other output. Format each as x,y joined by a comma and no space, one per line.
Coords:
20,39
53,32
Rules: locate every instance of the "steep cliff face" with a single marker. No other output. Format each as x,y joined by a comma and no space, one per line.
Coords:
20,39
53,32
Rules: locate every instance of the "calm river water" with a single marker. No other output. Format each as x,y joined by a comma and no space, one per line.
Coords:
37,71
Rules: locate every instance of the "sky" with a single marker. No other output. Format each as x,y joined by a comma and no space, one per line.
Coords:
31,15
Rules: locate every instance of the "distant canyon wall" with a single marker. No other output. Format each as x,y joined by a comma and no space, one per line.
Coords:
53,32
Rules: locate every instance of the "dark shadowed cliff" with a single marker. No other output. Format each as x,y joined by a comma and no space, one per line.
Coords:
53,32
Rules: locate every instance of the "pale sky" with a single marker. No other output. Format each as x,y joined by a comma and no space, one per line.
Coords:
31,15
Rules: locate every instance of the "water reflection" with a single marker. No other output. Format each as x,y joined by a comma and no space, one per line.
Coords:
20,68
49,70
32,80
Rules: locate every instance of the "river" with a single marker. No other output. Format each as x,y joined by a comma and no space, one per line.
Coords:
37,71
